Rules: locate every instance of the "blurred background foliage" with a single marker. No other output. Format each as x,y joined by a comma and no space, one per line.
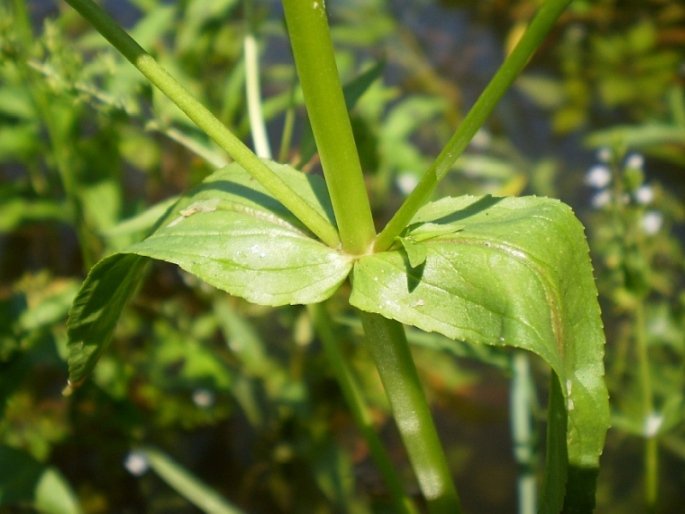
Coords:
234,406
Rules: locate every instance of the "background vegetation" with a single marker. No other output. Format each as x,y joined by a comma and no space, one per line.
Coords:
243,396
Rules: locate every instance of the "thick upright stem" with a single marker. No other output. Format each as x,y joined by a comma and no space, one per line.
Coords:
500,83
390,351
206,121
360,412
323,94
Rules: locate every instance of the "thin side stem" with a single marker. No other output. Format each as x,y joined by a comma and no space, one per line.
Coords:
500,83
360,412
523,433
323,94
288,124
390,351
253,87
201,150
206,121
651,454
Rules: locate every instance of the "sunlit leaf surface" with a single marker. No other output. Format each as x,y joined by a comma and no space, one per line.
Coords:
516,273
234,236
230,233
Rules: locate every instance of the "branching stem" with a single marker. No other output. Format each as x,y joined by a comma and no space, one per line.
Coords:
500,83
206,121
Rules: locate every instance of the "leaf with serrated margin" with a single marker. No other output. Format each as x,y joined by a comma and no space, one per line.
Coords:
517,273
96,309
231,233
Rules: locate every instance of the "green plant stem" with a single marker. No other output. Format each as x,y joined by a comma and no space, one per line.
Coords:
522,432
651,455
288,124
389,348
323,94
541,24
206,121
360,412
198,148
252,85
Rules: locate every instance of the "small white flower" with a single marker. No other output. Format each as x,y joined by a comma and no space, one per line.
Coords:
651,222
406,182
635,161
644,195
482,140
604,154
577,32
653,424
599,176
203,398
136,463
601,199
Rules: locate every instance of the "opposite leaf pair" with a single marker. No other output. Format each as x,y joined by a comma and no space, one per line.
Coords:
499,271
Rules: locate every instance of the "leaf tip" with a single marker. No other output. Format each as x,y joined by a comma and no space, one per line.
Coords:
71,387
68,390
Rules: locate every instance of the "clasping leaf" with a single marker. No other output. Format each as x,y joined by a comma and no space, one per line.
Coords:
516,273
231,233
416,253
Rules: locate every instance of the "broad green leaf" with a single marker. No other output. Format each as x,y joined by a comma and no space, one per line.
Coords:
19,474
55,495
517,274
142,223
25,481
95,311
230,233
637,137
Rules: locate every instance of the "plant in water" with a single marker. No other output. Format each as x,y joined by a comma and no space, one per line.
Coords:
498,271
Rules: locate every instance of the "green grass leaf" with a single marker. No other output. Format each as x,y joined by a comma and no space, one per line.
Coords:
187,484
517,273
